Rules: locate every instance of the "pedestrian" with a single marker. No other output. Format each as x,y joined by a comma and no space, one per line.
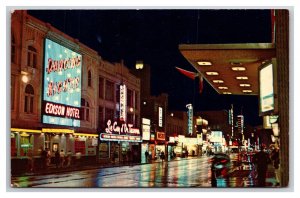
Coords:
69,158
57,159
43,159
261,160
48,157
162,156
276,164
146,155
30,165
62,158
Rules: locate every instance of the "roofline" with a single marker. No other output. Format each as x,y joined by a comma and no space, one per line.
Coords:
227,46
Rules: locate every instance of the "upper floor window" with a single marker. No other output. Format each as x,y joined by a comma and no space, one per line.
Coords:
101,87
85,110
89,78
129,98
109,91
13,49
29,98
31,57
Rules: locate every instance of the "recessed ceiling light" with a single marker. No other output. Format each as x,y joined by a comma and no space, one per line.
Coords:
212,73
226,92
247,91
242,78
204,63
238,68
218,81
223,87
245,85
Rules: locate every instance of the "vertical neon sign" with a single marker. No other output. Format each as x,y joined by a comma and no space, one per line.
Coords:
190,118
123,102
160,116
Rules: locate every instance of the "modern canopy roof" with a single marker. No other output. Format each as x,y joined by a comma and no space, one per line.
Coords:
229,68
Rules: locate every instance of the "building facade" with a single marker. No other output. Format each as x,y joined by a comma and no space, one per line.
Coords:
63,94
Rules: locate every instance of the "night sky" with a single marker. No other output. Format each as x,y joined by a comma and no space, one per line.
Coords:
154,36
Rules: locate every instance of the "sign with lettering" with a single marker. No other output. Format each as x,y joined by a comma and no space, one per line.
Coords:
116,137
61,85
160,116
123,102
190,118
160,136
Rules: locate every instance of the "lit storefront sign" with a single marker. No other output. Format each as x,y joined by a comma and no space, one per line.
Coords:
146,129
171,139
146,132
62,85
266,88
190,118
123,102
160,136
160,116
216,136
123,132
115,137
199,139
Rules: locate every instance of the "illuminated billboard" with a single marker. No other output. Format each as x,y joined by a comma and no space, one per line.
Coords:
267,88
61,85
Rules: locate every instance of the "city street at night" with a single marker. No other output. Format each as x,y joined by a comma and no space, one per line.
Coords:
181,172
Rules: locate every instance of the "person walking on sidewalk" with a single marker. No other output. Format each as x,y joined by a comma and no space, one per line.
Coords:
62,158
261,160
69,158
276,164
57,159
146,156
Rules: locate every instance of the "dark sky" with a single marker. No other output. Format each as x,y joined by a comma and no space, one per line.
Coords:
154,35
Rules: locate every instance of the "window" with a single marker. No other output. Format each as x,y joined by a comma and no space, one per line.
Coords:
85,110
89,78
109,91
12,92
109,114
101,87
100,118
13,49
31,57
129,98
29,97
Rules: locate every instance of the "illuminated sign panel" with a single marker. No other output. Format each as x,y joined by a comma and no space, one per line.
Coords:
190,118
146,132
123,102
266,88
61,85
120,132
216,136
160,116
160,136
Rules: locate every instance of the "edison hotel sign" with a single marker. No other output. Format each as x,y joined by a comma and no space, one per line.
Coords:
62,85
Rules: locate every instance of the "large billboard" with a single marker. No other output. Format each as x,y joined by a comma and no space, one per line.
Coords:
61,100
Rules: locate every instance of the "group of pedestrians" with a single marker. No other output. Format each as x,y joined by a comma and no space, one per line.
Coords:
62,159
262,159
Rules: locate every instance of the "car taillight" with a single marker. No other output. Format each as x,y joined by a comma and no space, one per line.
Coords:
224,161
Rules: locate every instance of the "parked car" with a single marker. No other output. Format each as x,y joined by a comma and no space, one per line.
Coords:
220,165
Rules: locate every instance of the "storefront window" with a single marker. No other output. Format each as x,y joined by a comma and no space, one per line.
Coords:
25,144
80,146
103,150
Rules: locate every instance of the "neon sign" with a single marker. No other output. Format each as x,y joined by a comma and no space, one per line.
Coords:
160,115
190,118
124,128
62,85
123,102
